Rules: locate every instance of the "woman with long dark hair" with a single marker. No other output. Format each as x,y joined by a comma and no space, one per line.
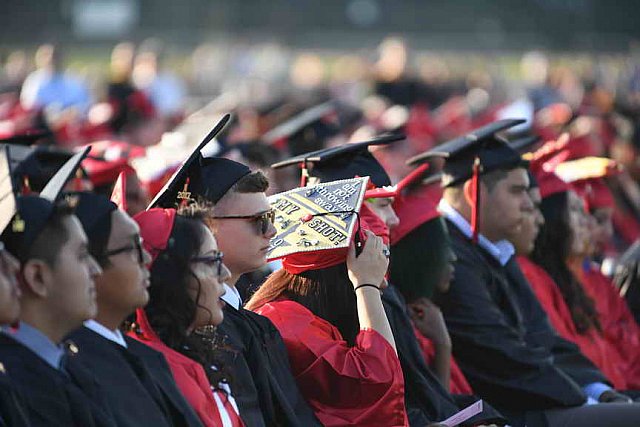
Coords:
328,309
185,306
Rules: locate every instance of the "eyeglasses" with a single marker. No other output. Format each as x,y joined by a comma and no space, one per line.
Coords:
263,220
136,246
213,261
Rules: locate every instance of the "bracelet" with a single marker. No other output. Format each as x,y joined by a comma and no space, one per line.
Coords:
365,285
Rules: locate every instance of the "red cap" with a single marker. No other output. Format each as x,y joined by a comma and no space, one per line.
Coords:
155,229
316,260
119,193
542,164
396,190
587,175
415,209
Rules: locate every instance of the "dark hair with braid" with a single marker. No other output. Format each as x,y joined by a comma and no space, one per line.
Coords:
551,252
171,310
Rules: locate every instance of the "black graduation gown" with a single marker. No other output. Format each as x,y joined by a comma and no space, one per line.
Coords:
503,341
51,397
181,412
426,400
131,395
263,385
12,412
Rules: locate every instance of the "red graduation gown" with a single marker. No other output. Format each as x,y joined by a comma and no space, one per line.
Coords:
360,385
458,382
618,324
592,343
191,380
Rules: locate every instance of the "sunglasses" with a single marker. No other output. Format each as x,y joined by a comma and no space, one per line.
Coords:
263,221
213,261
135,246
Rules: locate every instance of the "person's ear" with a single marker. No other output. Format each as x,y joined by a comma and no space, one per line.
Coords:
467,191
36,277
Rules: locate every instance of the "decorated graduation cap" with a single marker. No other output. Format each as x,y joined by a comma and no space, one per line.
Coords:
472,155
306,131
315,225
209,177
343,162
587,177
33,212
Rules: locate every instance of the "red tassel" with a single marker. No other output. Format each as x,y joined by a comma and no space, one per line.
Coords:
475,200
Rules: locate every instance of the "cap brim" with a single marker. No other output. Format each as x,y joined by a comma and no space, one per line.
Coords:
54,187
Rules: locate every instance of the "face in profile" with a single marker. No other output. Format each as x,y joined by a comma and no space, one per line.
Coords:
72,291
384,209
9,289
125,279
505,206
206,285
244,241
601,229
578,222
524,241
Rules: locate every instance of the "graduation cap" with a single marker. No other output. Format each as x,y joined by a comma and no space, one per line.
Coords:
94,212
209,177
33,212
542,164
315,225
33,166
28,138
587,176
524,143
343,162
472,155
305,131
156,226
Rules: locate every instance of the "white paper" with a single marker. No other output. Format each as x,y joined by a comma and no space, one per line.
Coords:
463,415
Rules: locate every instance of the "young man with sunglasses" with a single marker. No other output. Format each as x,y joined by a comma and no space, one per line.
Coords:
138,384
241,221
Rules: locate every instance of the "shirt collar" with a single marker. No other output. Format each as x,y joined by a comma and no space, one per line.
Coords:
502,250
232,297
115,336
37,342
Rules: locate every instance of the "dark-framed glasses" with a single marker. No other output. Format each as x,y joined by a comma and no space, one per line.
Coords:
214,261
263,220
136,245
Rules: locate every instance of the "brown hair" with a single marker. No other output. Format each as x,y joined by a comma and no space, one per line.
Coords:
255,182
327,293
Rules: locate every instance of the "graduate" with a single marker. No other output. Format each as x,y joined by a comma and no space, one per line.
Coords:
12,412
185,306
138,383
594,302
327,306
57,294
501,336
582,328
421,265
265,390
426,399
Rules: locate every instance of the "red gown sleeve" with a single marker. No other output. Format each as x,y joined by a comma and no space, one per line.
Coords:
592,343
619,327
360,385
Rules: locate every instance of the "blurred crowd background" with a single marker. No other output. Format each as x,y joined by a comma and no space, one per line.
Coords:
143,81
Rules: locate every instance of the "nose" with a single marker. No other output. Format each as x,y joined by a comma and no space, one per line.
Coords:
146,257
527,203
94,268
392,219
271,231
226,274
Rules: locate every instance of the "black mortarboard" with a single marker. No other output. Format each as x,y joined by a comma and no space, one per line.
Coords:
29,138
306,131
94,212
524,143
33,212
478,152
483,144
33,166
344,162
209,177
